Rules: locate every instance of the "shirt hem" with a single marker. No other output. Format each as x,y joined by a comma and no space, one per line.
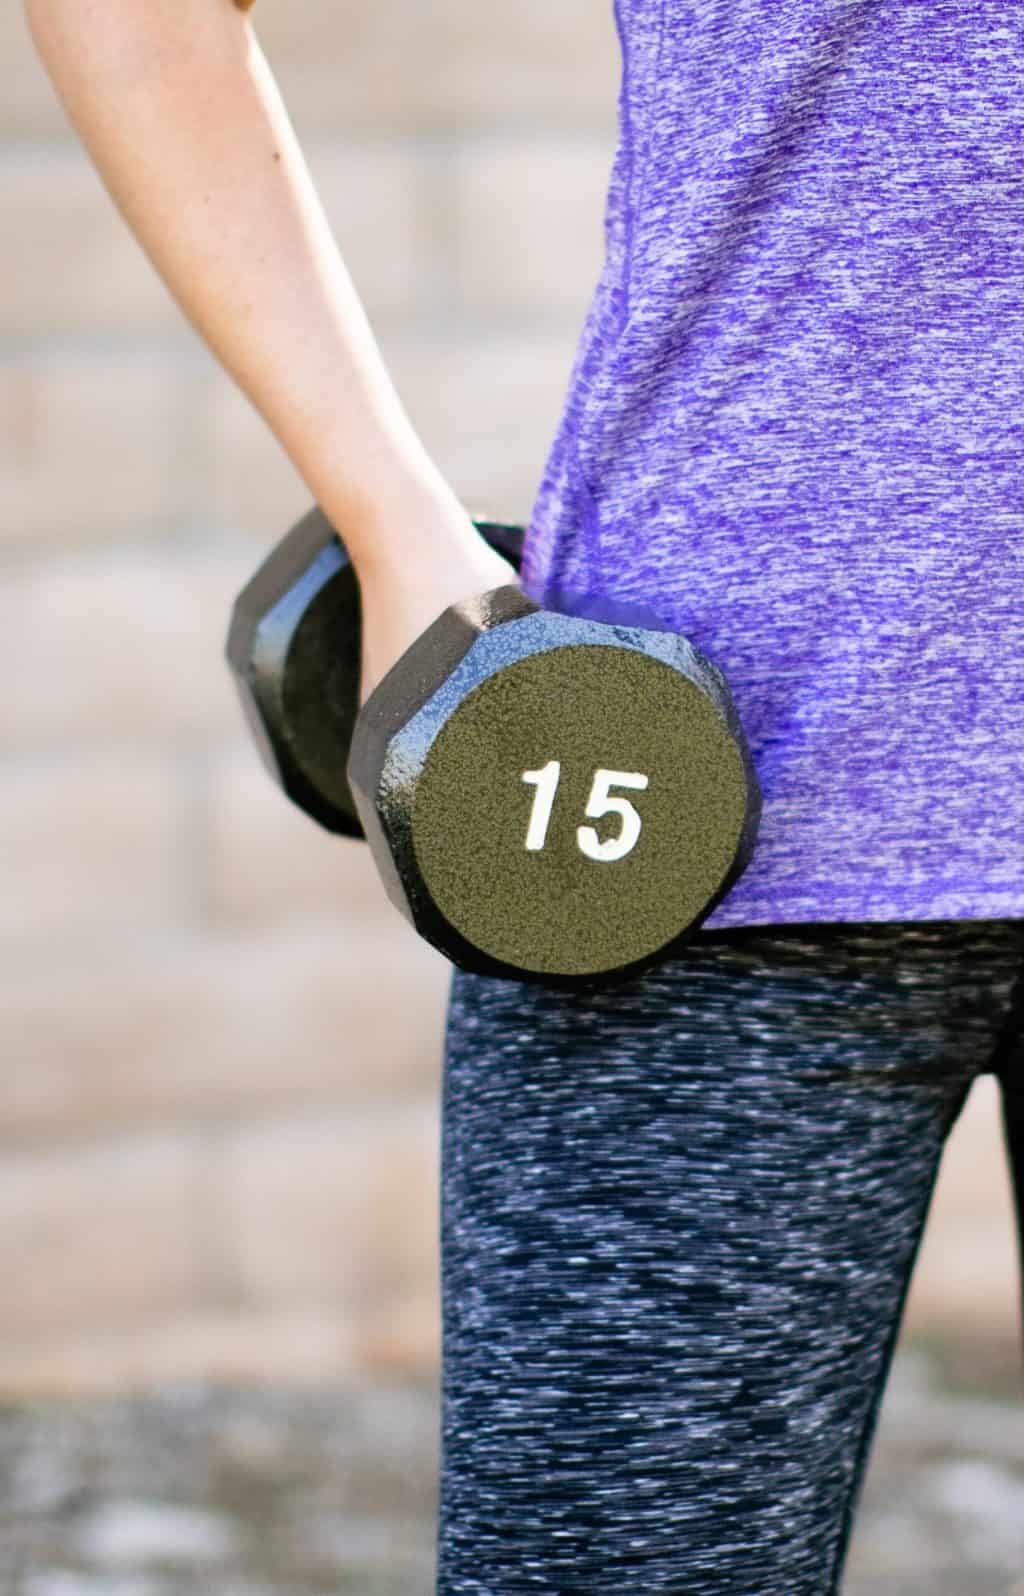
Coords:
851,901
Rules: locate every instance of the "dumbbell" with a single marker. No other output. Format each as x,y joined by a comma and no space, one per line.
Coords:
547,796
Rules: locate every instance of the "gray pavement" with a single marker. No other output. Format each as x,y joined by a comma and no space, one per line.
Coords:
273,1493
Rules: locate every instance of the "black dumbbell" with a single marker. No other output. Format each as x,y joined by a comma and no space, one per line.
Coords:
547,796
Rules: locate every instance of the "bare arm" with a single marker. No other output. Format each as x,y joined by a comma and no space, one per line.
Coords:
176,105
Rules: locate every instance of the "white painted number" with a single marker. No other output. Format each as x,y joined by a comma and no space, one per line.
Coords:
601,802
546,783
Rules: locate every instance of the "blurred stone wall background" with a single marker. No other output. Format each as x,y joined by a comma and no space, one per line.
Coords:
220,1045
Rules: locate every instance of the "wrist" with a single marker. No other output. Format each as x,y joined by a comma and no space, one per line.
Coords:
411,526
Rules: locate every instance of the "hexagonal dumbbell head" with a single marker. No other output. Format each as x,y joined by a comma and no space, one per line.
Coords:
551,797
294,650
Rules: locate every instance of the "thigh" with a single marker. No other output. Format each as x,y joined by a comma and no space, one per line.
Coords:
678,1221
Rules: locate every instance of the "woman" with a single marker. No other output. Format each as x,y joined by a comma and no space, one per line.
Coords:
679,1217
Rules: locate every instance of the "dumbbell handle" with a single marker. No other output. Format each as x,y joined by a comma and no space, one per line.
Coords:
504,537
294,647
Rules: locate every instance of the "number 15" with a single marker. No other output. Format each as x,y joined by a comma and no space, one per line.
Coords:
601,802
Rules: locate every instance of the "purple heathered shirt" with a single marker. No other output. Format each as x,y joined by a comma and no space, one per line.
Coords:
794,429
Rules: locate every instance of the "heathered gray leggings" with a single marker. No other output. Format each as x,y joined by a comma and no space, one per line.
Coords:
678,1224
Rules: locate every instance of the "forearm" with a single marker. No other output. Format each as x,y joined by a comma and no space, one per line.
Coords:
178,109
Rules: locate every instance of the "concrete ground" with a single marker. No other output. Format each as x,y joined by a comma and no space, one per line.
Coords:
273,1493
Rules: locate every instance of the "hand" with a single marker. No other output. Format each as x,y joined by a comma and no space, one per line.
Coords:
402,597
